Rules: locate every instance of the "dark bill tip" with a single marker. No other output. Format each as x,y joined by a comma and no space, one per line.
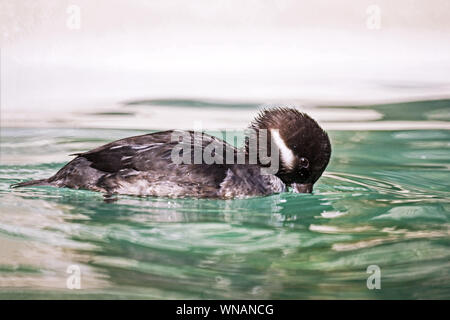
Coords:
302,188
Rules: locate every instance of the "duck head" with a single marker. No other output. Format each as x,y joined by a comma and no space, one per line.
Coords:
304,148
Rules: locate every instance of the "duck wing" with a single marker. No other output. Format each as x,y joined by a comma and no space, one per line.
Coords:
146,162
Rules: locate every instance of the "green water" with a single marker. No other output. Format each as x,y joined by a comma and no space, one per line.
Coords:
384,200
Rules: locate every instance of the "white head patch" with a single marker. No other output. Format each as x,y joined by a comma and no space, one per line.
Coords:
287,156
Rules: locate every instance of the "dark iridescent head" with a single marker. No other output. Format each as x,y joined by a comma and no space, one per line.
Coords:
304,148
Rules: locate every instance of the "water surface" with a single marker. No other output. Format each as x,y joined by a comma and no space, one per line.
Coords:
384,201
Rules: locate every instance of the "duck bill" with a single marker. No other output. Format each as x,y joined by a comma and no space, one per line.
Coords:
302,188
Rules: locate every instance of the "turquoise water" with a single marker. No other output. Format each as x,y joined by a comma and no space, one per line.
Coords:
384,200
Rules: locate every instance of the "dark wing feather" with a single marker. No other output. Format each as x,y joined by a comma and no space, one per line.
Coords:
151,153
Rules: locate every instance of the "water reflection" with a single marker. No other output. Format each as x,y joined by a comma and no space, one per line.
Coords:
271,247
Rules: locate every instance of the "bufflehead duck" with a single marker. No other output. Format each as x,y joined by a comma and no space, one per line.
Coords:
143,165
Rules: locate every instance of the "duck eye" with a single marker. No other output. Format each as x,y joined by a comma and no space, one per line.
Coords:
304,163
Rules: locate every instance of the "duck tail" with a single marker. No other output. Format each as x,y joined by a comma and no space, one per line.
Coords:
41,182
